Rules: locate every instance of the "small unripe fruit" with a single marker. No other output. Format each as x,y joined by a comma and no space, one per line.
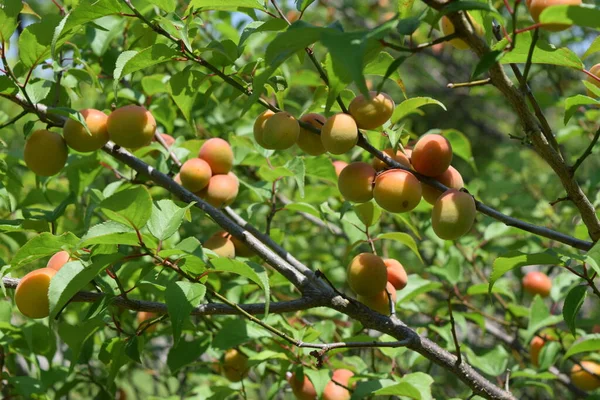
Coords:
431,155
367,274
45,152
399,156
235,365
380,302
450,178
221,244
356,182
372,112
595,70
79,139
536,282
31,295
339,165
303,390
453,214
448,28
397,191
218,154
259,126
131,126
583,379
280,131
537,6
334,391
339,134
396,275
308,141
221,190
144,316
58,260
195,174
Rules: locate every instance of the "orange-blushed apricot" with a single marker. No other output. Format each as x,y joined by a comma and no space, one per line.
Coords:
536,282
310,142
45,152
447,28
333,391
367,274
131,126
595,70
380,302
431,155
537,6
450,178
235,365
221,244
221,190
339,134
58,260
339,165
356,182
79,139
373,111
218,154
31,295
259,126
453,214
144,316
280,131
302,389
398,156
195,174
396,275
583,379
397,191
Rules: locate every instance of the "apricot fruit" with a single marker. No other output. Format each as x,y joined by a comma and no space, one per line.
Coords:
218,154
303,390
168,139
144,316
431,155
131,126
397,191
380,302
367,274
396,275
195,174
259,126
241,248
31,295
58,260
235,365
372,112
453,214
79,139
535,348
339,134
339,165
280,131
537,6
221,244
595,70
45,152
310,142
399,157
582,378
450,178
333,391
356,182
221,190
177,179
536,282
447,28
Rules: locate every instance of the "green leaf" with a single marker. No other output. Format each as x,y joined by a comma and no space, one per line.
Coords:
9,15
411,105
183,87
573,103
403,238
298,170
321,167
166,5
594,48
131,207
465,6
181,298
485,63
587,344
186,353
592,258
404,389
271,25
73,277
492,363
319,378
167,218
110,232
368,213
303,207
416,286
416,385
75,336
225,4
155,54
461,146
517,259
36,39
539,317
584,15
43,245
573,303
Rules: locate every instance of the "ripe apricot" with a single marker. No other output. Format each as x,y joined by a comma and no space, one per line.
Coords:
303,390
397,191
448,28
241,248
308,141
131,126
453,214
399,156
339,165
339,134
58,260
45,152
367,274
356,182
595,70
221,244
537,6
218,154
536,282
583,379
168,139
450,178
431,155
79,139
372,112
177,179
235,365
144,316
221,190
31,295
195,174
259,126
380,301
333,391
280,131
535,348
396,275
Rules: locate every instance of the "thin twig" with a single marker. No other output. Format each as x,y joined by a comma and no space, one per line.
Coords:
586,153
454,335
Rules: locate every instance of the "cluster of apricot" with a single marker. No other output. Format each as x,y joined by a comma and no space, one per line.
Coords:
225,245
398,191
334,390
131,126
372,278
339,133
209,175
